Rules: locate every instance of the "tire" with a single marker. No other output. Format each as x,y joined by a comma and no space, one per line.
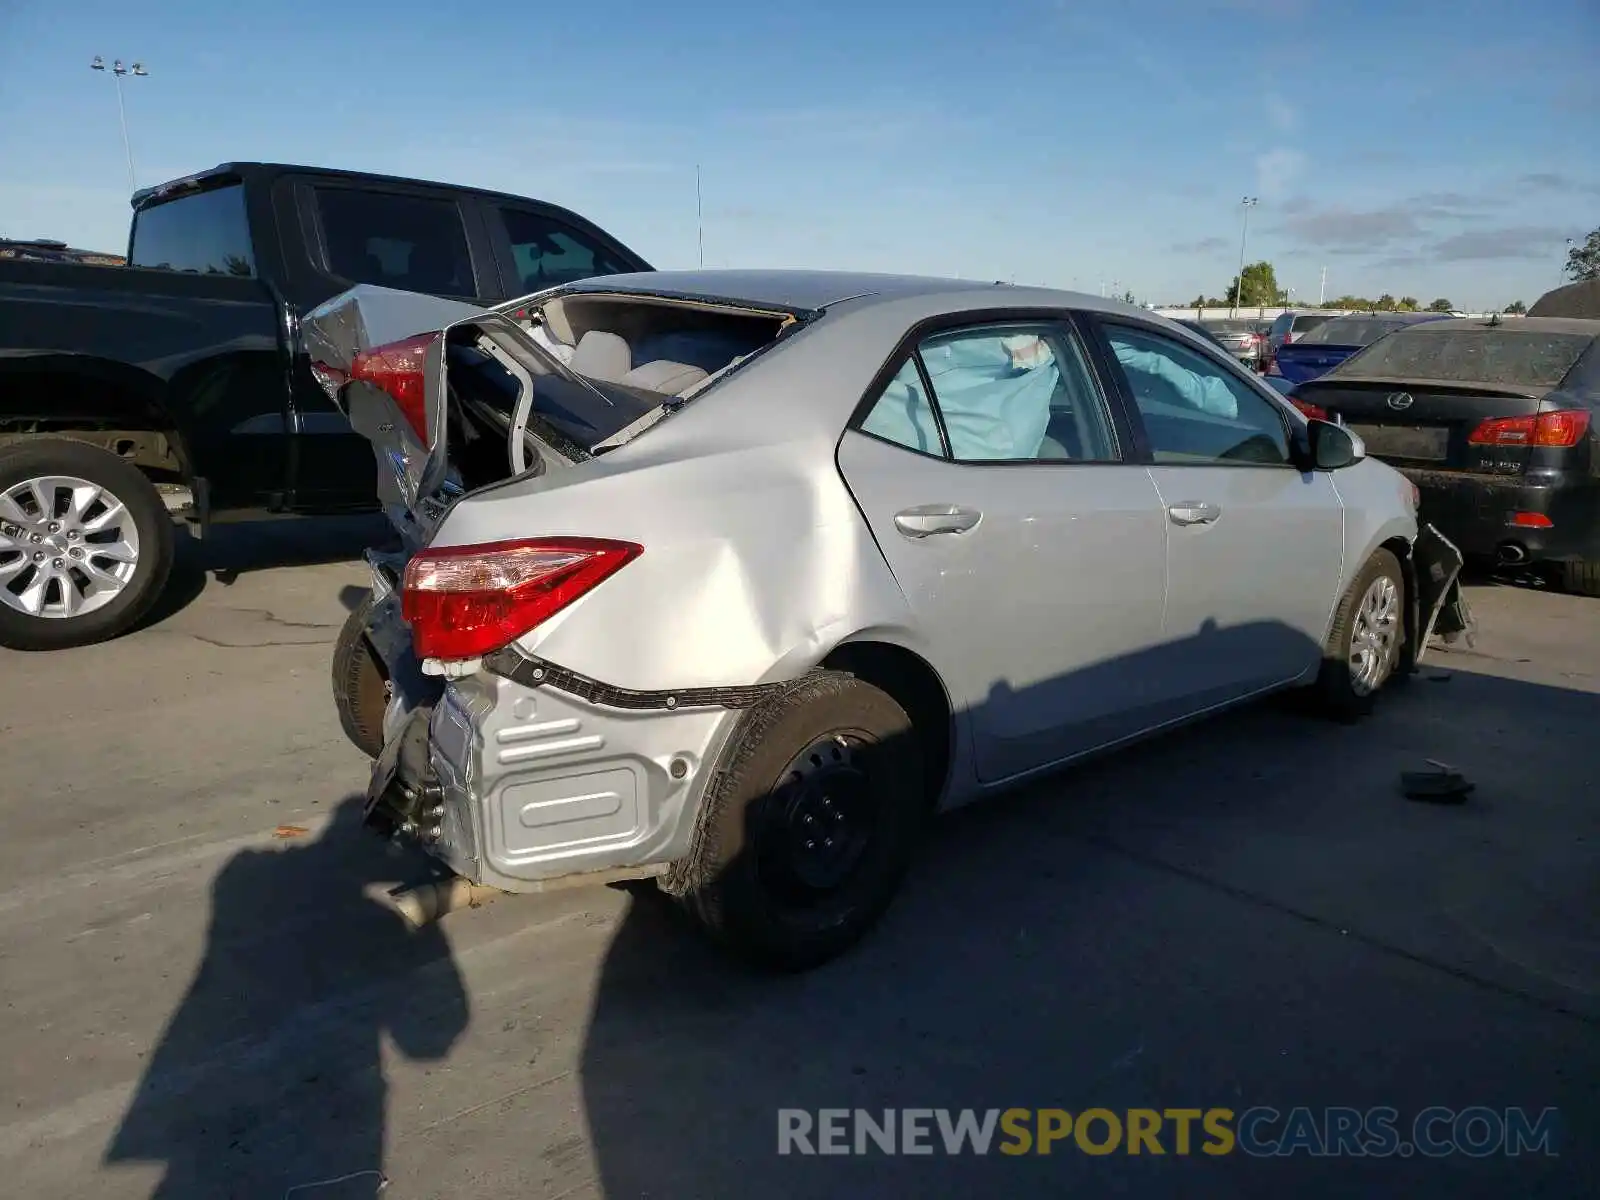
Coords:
360,684
1581,578
755,888
1347,685
126,579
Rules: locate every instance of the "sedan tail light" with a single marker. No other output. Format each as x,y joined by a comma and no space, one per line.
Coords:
399,368
1315,411
466,601
1563,428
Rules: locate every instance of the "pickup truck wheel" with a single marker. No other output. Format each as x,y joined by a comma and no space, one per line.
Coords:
1365,643
85,545
810,823
360,685
1581,578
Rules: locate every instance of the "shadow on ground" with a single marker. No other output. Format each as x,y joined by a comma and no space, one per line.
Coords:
268,1080
230,550
1244,914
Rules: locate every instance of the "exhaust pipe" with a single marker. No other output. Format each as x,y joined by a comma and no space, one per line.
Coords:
1511,554
424,903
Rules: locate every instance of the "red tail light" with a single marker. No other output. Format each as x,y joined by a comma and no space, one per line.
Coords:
399,369
1564,428
465,601
1287,338
1315,411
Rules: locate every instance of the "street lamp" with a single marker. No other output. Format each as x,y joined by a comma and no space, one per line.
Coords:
117,72
1248,202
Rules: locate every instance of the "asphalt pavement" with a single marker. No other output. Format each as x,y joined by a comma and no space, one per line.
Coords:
205,996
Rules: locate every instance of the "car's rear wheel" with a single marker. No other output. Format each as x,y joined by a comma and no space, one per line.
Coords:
360,684
1367,638
1582,578
810,823
85,545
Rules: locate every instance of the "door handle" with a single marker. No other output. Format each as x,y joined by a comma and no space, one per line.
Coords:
927,519
1193,512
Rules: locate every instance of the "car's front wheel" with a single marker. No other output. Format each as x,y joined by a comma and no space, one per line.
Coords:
810,823
85,544
1367,638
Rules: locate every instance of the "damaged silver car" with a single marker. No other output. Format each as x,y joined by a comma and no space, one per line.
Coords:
731,579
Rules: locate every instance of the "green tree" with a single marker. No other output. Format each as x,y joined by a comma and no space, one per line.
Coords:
1440,305
1583,261
1260,286
1199,301
1409,304
1384,303
1516,308
1127,297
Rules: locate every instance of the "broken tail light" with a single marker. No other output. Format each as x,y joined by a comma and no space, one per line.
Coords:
1562,428
466,601
400,370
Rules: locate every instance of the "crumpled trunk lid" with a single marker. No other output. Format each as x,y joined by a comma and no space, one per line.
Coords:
412,471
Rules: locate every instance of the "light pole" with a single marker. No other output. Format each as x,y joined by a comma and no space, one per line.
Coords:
1561,279
1248,202
117,72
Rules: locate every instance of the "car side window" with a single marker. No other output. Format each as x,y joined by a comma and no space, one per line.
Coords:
1195,411
1011,393
547,252
414,243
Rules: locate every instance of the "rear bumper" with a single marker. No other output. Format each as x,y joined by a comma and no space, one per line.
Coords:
1477,513
512,785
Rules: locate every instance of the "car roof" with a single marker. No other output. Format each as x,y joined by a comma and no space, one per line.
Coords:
811,291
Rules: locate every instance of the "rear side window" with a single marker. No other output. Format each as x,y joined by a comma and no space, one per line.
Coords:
1517,358
1015,393
1306,322
205,233
414,243
547,252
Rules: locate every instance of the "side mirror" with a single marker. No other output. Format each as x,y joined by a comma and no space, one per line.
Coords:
1334,446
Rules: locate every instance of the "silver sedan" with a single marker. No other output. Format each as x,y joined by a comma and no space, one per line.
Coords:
731,579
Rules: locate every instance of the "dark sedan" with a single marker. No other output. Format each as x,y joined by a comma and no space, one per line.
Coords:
1498,424
1330,343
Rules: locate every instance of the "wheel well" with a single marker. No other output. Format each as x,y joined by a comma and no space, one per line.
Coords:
99,412
916,687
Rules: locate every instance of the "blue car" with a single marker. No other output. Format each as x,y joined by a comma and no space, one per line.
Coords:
1321,349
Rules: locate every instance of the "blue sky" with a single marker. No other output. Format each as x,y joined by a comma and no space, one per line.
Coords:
1431,147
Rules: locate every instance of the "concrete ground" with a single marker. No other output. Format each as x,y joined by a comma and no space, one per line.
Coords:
1245,914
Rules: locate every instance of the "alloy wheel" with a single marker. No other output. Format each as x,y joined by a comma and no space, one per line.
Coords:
68,547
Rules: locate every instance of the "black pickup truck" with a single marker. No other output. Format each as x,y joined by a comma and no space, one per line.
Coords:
176,385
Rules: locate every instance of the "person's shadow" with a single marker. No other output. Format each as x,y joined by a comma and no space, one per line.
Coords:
268,1080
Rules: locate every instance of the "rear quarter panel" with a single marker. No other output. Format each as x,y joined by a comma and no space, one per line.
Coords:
756,563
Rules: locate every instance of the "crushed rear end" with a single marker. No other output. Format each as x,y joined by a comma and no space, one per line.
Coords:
513,771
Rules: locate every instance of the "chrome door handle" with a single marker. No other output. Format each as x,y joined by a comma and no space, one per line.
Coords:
927,519
1193,512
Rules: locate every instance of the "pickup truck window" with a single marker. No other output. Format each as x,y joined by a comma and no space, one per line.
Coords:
548,253
413,243
203,232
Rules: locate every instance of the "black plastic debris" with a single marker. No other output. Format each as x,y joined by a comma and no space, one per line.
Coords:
1441,784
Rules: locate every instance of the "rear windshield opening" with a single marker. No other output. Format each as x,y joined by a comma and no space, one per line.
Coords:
1508,357
621,358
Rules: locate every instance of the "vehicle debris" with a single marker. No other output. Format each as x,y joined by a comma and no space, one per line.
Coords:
1443,784
290,831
